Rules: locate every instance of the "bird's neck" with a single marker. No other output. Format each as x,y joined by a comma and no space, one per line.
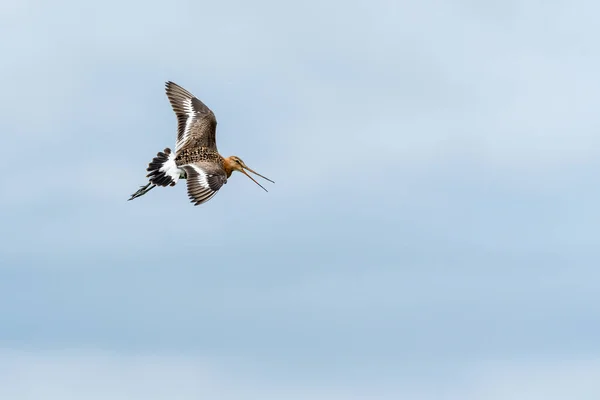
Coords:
228,166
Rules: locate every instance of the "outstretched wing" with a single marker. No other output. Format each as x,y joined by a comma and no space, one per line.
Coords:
196,123
203,181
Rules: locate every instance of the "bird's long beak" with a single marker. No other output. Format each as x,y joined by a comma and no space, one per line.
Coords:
256,173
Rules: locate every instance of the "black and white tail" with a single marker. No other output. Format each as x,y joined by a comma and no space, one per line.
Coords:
162,171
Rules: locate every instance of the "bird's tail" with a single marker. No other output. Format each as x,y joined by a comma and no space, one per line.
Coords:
162,171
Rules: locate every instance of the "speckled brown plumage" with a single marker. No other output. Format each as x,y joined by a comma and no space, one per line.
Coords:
196,149
190,155
209,160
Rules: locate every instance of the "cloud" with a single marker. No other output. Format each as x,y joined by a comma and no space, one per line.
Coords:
312,99
435,166
392,87
537,380
87,374
98,375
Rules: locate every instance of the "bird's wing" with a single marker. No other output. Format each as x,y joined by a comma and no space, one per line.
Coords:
196,123
203,181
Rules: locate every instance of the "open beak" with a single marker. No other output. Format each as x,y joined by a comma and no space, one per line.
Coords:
256,173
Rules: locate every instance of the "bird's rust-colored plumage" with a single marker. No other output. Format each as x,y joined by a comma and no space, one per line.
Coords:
196,157
228,166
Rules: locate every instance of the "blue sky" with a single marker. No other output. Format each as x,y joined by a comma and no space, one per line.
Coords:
432,233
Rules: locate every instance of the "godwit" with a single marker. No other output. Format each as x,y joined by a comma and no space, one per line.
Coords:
196,157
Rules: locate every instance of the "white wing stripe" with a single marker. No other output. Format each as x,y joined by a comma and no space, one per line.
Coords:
187,106
191,114
203,193
201,177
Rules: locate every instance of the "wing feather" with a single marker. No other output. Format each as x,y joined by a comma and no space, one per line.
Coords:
196,123
203,182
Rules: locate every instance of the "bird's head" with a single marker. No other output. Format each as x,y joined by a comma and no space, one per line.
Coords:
236,164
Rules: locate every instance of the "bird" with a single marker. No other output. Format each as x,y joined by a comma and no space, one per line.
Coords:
195,158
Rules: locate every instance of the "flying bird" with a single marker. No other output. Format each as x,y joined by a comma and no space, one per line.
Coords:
195,158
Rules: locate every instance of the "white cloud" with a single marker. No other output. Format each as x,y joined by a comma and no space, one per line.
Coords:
409,82
73,375
97,375
337,103
539,380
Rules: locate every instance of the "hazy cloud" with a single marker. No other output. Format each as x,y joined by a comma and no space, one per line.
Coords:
436,168
100,375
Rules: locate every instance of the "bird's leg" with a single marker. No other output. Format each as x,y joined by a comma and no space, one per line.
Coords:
142,191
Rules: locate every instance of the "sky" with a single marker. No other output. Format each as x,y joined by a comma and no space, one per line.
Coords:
432,232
